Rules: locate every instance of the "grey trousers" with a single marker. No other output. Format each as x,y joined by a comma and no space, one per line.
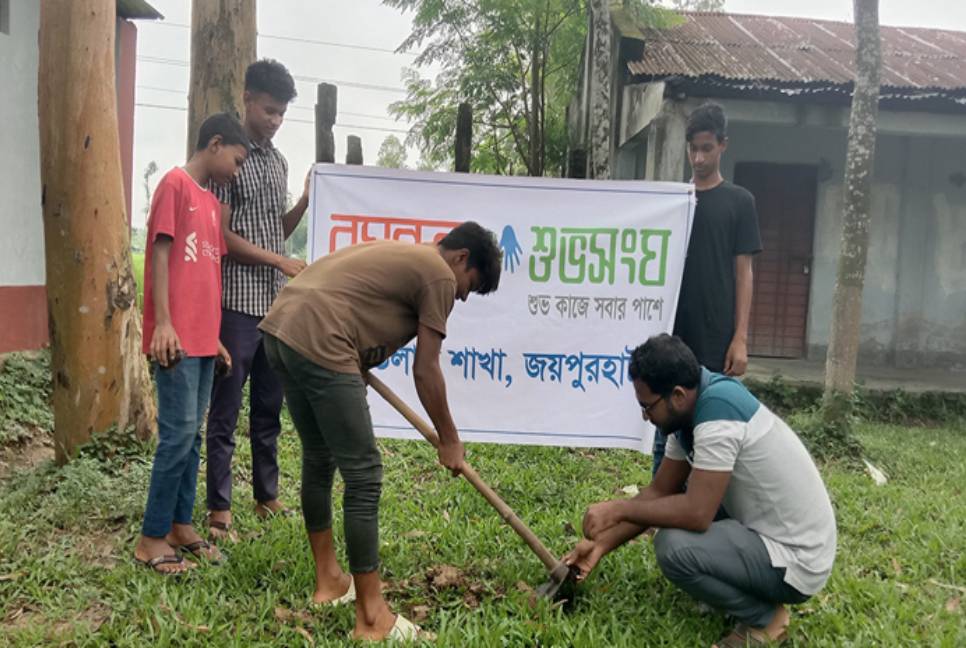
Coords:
728,568
331,415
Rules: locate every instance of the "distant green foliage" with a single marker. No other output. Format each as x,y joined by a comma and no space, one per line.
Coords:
834,438
696,5
516,62
137,266
784,396
392,153
139,237
296,244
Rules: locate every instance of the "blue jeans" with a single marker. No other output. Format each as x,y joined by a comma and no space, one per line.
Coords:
183,393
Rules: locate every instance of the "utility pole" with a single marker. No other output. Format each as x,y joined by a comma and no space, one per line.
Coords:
100,377
223,45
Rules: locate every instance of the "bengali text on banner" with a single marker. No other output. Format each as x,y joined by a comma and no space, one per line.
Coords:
591,269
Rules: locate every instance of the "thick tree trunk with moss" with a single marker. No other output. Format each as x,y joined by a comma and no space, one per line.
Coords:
222,47
100,377
600,122
847,307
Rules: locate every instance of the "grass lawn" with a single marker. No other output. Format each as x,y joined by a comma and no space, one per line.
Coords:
67,577
137,261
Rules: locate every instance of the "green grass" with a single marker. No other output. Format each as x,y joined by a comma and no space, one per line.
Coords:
24,395
66,574
137,261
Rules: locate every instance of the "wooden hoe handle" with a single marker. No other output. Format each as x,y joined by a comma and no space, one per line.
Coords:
467,471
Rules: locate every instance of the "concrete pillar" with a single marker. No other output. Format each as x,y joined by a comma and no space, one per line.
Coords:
666,146
353,153
326,109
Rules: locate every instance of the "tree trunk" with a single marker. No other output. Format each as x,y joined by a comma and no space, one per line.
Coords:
600,126
222,47
100,377
533,163
847,307
464,139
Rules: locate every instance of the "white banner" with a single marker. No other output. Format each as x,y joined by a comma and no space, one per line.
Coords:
591,270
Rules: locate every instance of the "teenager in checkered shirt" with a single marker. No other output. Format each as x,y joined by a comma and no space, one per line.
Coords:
256,223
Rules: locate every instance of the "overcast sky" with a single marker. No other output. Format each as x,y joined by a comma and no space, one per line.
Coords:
164,48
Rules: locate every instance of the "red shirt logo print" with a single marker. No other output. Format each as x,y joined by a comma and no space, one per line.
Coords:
191,247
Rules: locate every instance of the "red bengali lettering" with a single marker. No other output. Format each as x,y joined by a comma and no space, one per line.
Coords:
349,229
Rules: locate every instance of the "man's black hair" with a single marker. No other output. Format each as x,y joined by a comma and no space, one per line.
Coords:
663,363
485,254
227,126
709,117
272,78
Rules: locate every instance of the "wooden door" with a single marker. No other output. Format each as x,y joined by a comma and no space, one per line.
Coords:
785,195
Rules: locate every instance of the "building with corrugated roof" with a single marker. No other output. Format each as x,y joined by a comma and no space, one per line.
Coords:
786,85
23,294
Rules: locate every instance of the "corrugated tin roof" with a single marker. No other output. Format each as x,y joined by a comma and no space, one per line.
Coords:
137,9
744,47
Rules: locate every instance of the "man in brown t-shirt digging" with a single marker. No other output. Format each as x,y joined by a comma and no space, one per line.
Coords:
341,316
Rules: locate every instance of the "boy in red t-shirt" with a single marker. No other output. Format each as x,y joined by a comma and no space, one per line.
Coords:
182,316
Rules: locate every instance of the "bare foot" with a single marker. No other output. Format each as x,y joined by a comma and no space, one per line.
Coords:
270,508
148,549
330,589
185,536
378,630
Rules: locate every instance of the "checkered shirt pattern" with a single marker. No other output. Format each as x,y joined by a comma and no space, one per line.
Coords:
257,198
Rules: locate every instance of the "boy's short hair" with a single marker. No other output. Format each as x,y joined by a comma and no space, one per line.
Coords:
709,117
663,363
485,254
227,126
272,78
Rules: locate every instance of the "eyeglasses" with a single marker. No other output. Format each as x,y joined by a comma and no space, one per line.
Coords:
650,406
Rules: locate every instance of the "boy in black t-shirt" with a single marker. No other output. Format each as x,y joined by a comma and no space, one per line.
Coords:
715,302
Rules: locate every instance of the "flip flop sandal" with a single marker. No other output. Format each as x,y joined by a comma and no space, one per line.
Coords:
157,561
202,549
225,527
744,635
265,513
404,630
348,597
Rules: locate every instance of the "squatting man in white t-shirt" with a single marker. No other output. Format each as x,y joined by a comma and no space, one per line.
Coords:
774,546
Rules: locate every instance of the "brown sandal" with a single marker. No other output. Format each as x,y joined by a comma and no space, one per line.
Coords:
204,550
265,513
166,559
218,530
744,635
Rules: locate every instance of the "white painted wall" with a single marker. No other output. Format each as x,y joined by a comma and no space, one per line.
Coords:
21,224
914,299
